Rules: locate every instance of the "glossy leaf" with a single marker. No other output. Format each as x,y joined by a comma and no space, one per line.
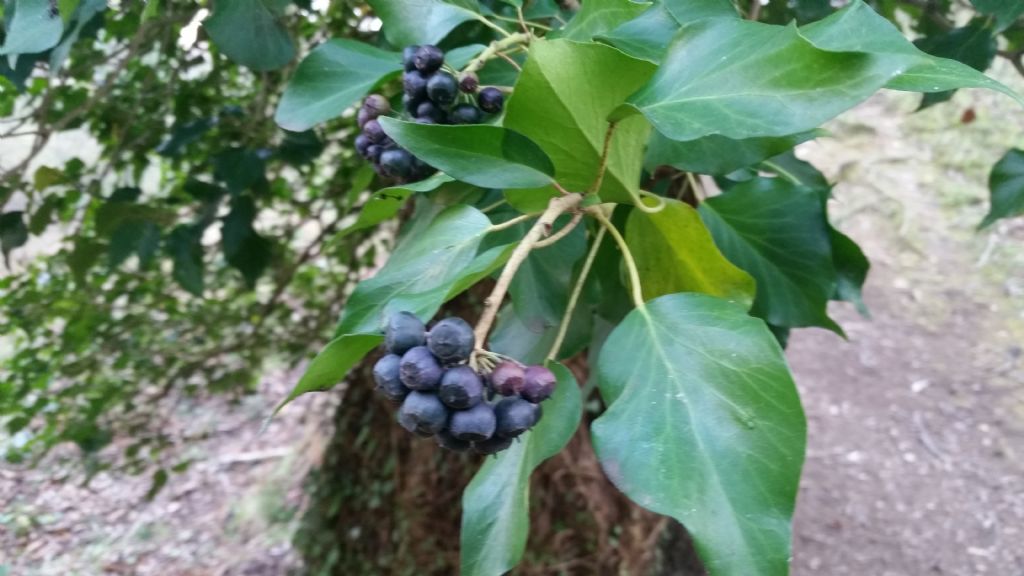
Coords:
13,232
687,11
409,22
248,32
645,37
717,154
385,203
561,102
417,276
334,76
974,45
1006,186
599,16
540,289
495,505
852,268
704,424
674,252
187,253
332,364
482,155
1005,11
778,233
35,27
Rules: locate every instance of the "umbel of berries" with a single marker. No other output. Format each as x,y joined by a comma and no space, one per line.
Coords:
427,374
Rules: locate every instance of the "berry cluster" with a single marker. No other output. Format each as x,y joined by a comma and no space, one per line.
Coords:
430,96
442,396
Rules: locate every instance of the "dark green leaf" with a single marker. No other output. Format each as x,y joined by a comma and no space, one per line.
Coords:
974,45
598,17
248,32
496,504
33,28
674,252
646,36
13,233
717,154
687,11
540,289
300,148
704,424
83,256
183,135
1005,11
159,481
409,22
419,273
332,364
562,100
244,248
84,13
777,232
187,253
239,169
851,269
1006,186
485,156
330,79
385,203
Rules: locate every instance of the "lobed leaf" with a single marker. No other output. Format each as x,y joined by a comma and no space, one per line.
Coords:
34,27
408,22
1006,187
249,33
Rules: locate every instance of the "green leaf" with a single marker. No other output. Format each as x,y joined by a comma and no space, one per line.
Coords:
249,33
151,10
540,289
13,233
713,81
1005,11
645,37
974,45
777,232
704,424
83,256
244,248
852,268
45,176
419,273
409,22
330,79
1006,187
159,481
385,203
239,168
687,11
674,252
717,154
561,102
496,504
187,253
34,28
332,364
599,16
485,156
83,13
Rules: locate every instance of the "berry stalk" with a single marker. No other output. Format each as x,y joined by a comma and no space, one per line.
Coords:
492,51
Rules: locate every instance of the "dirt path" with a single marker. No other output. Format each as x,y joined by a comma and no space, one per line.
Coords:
916,425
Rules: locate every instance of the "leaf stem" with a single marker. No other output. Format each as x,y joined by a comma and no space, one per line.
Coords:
556,207
627,256
563,327
786,174
483,20
510,223
603,167
494,49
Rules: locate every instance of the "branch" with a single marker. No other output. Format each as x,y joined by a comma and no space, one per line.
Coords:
494,49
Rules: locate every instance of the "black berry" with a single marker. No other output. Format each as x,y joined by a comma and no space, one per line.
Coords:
415,84
492,445
421,169
451,340
403,331
469,83
430,110
447,441
362,145
422,414
396,162
409,57
538,384
491,100
385,374
373,131
466,114
419,369
515,416
428,58
442,88
373,152
461,388
507,378
473,425
411,103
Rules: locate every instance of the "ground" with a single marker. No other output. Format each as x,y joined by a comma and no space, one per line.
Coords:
916,423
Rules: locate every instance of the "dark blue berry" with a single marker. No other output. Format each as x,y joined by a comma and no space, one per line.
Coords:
385,374
409,57
362,145
428,58
403,331
430,110
491,100
373,152
422,414
415,84
515,416
442,88
447,441
538,384
473,425
421,169
363,116
373,131
451,340
419,369
396,162
492,445
412,103
461,388
466,114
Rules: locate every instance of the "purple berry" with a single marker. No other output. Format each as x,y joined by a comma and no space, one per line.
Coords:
507,378
538,384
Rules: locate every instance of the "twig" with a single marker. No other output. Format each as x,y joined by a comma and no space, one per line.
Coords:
563,327
510,223
556,207
512,62
495,47
561,233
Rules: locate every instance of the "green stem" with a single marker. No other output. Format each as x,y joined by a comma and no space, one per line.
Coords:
563,328
634,275
782,172
491,51
510,223
603,167
492,25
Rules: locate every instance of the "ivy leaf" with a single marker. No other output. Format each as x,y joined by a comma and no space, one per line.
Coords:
249,33
1005,11
187,253
83,13
485,156
974,45
385,203
561,102
408,22
419,273
852,268
244,248
540,289
1006,188
330,79
687,11
645,37
496,504
35,27
778,233
717,154
599,16
674,252
332,364
704,424
13,233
